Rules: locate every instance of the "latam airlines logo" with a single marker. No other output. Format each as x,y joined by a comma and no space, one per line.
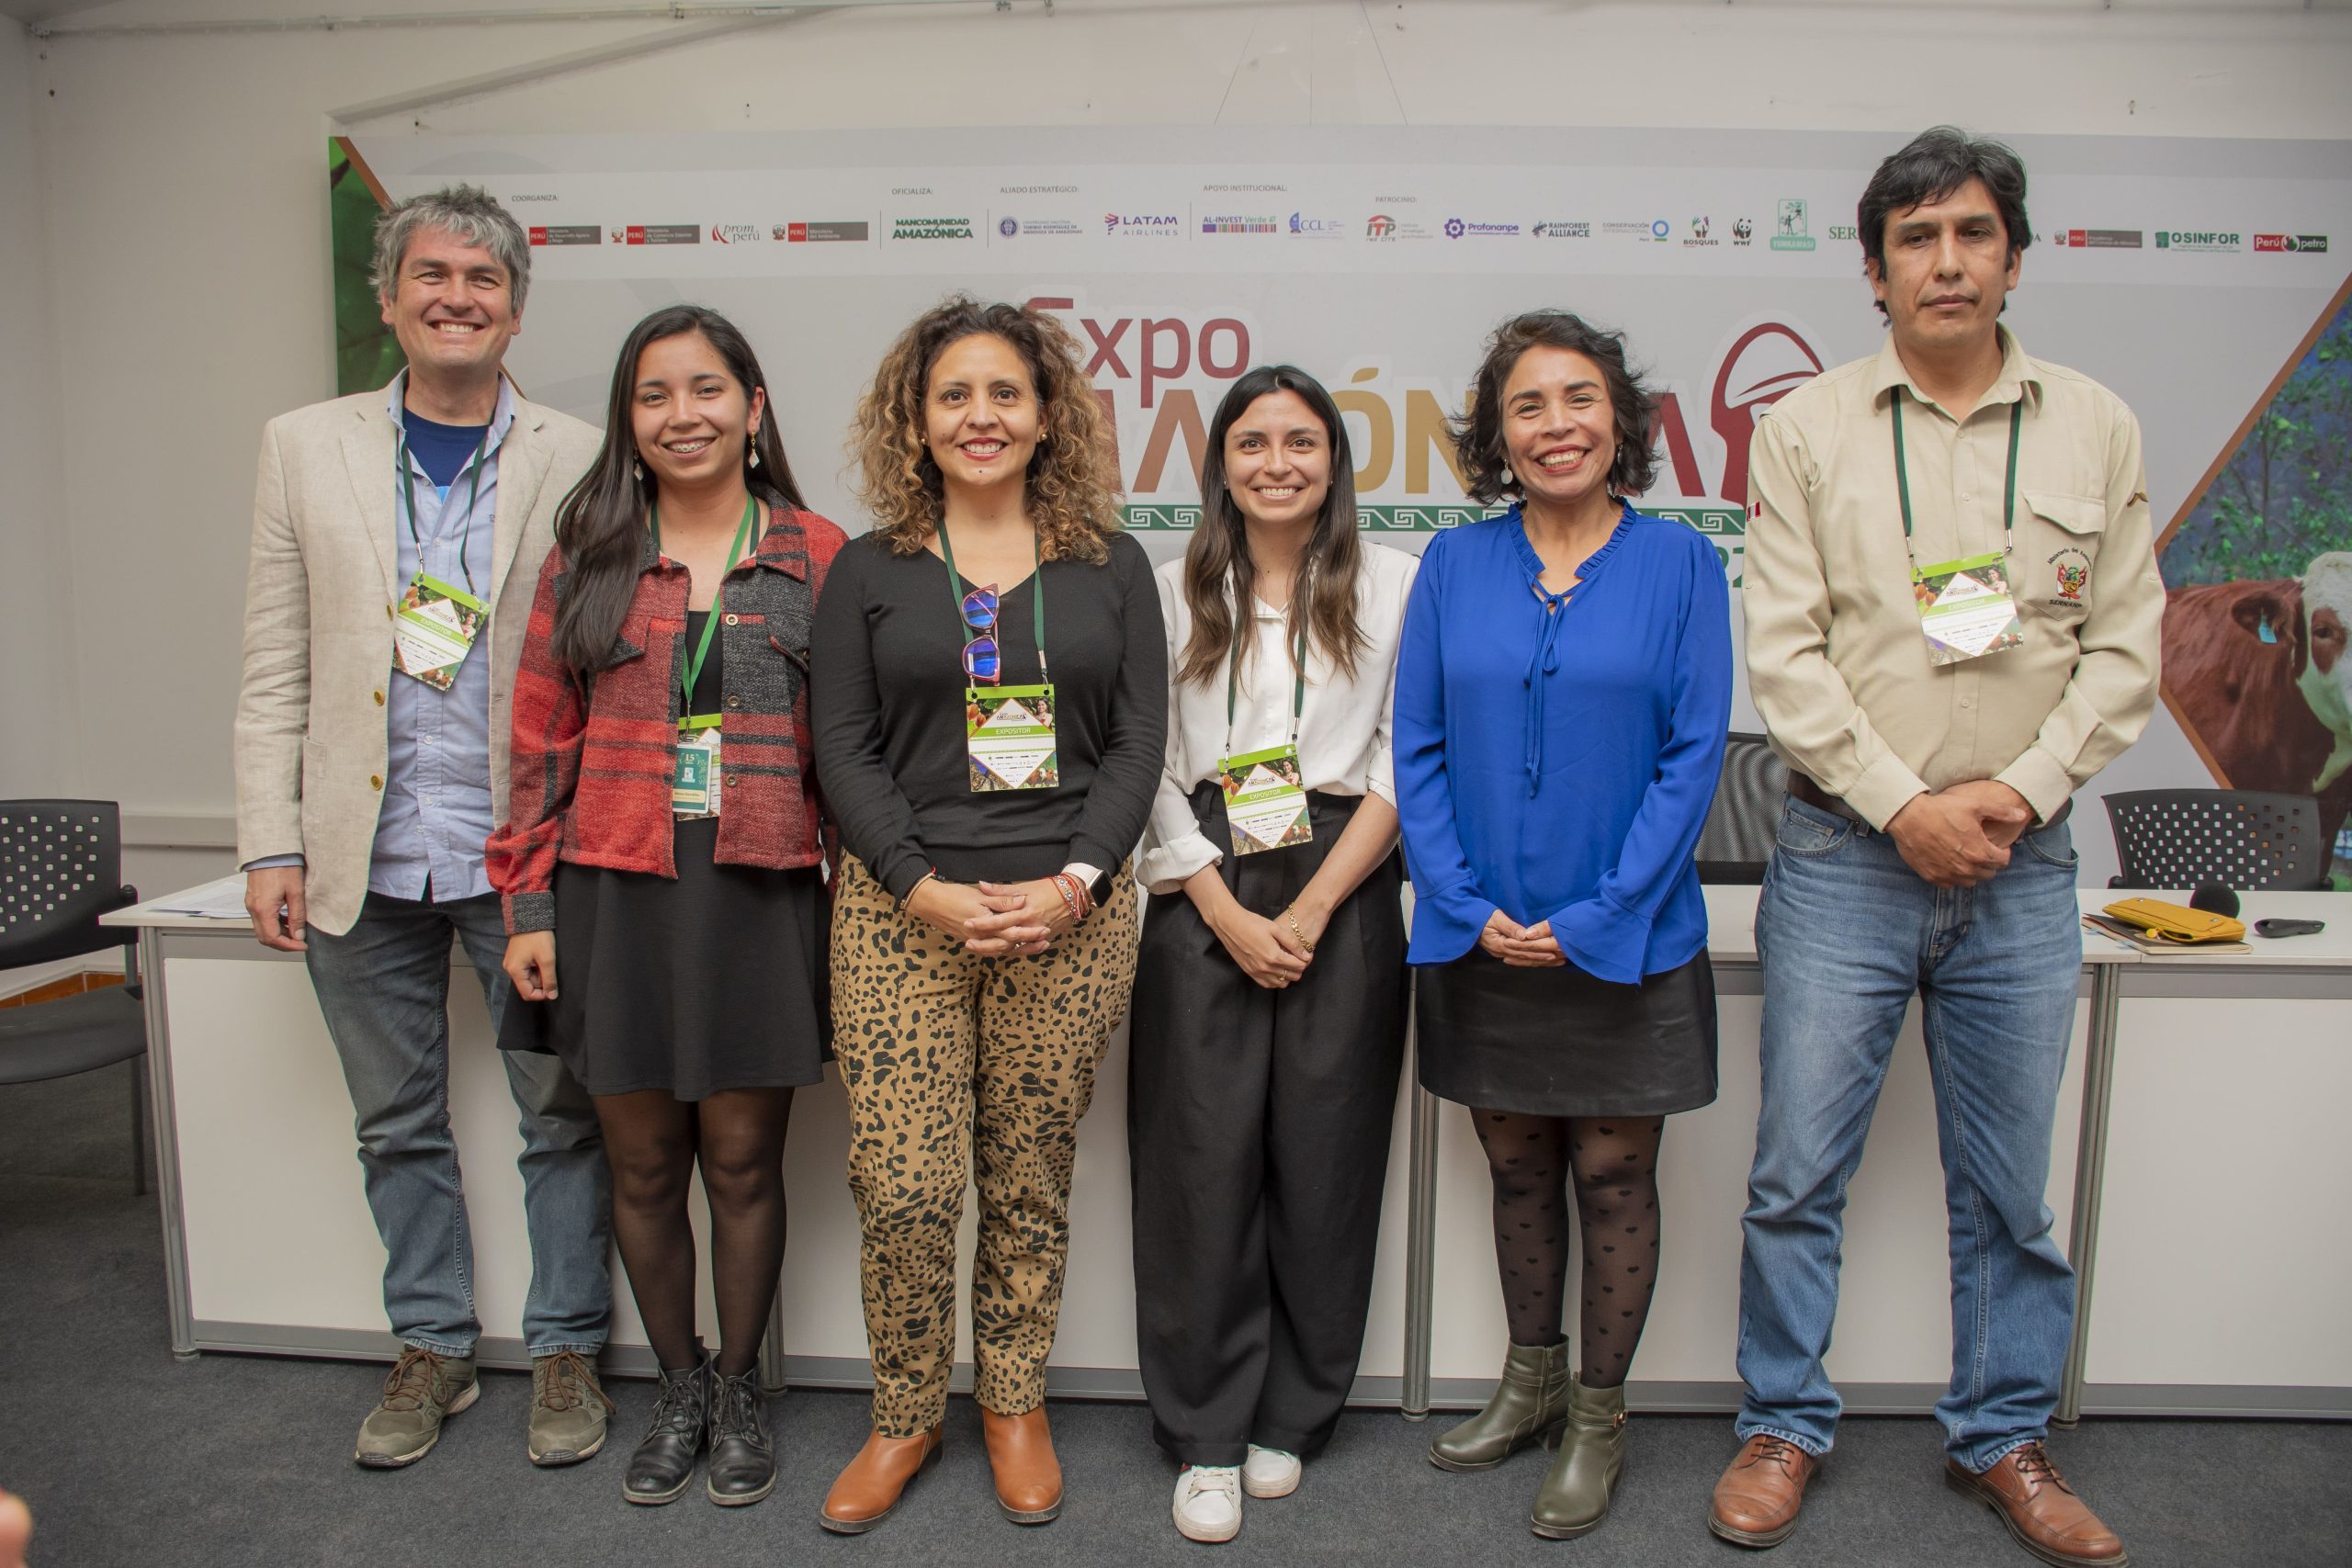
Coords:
1152,225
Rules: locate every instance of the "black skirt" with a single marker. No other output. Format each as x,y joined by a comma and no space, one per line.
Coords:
1561,1043
711,982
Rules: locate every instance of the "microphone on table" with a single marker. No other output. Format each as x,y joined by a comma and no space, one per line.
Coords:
2215,899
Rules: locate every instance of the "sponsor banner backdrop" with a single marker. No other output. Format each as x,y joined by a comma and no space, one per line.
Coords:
2187,276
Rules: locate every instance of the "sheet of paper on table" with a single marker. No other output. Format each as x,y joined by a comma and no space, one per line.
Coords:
222,900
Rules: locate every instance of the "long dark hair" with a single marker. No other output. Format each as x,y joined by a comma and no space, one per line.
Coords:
1219,576
600,524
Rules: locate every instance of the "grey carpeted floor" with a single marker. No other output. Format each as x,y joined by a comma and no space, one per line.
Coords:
134,1460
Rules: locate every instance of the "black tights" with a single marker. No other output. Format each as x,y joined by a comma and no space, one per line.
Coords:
1613,1160
653,1141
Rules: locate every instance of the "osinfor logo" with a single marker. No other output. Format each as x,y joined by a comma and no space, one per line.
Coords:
2196,239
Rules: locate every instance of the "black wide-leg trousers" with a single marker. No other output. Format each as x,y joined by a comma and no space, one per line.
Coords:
1258,1130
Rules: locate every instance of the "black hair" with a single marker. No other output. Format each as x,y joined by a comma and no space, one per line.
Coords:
1932,165
1478,435
600,524
1219,575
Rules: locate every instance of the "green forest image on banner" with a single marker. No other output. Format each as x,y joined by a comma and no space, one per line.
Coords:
367,356
2258,601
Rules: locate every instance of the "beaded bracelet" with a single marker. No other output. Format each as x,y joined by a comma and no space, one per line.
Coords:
1073,897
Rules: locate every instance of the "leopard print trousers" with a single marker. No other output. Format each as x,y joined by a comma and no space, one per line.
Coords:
946,1055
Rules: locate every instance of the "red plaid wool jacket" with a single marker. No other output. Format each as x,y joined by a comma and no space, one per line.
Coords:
592,758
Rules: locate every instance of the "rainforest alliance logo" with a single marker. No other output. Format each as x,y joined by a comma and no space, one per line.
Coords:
930,229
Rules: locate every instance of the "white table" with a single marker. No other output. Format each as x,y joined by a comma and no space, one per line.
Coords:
270,1249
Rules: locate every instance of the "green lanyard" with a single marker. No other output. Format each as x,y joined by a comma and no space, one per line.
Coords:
2008,486
473,494
1036,601
692,671
1298,685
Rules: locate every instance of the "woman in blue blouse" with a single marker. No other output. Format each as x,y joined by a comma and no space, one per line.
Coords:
1562,691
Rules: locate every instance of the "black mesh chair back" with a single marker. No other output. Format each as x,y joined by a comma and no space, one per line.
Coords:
2182,837
61,868
1744,819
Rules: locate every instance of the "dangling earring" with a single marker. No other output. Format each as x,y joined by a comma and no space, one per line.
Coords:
637,467
755,450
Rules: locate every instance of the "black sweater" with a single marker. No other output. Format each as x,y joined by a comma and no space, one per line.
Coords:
886,693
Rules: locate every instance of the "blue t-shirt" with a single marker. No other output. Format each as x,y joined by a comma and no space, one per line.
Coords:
1557,756
441,449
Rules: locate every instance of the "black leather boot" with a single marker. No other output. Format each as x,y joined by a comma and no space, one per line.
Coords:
665,1460
743,1460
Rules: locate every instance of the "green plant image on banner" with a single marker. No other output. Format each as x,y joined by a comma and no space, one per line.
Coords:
367,356
2286,494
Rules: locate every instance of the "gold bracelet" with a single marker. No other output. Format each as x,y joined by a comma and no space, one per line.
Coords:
1290,917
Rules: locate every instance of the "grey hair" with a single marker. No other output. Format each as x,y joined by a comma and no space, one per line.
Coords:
469,212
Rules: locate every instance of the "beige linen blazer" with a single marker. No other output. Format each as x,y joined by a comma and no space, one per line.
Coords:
319,595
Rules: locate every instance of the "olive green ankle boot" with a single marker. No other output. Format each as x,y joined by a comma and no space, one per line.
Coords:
1573,1497
1531,1398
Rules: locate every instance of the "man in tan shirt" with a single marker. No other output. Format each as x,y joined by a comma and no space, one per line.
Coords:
1952,610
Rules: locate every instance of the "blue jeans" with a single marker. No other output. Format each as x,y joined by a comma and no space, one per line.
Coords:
384,987
1847,932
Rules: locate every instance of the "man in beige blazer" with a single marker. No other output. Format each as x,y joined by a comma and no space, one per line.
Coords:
397,542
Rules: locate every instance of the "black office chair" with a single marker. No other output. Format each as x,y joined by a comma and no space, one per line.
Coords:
61,868
2244,839
1742,823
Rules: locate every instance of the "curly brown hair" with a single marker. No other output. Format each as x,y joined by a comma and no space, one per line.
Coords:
1073,477
1478,435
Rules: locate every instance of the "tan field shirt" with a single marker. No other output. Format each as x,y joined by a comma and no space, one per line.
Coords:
1837,661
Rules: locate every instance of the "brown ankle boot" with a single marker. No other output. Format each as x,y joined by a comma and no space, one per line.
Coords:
869,1487
1028,1476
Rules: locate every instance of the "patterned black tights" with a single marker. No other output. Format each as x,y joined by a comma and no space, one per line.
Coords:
1614,1161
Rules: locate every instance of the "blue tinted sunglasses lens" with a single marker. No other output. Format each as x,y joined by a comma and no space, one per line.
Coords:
979,609
980,658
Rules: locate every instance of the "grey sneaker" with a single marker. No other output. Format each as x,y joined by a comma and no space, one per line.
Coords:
422,1389
568,1409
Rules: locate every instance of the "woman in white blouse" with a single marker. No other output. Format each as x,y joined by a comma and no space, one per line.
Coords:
1269,1016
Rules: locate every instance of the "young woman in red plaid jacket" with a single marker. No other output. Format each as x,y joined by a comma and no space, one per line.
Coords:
666,836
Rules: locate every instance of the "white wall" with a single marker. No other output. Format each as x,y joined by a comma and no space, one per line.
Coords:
169,224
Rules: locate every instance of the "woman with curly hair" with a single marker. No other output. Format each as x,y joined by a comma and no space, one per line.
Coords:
991,701
1562,696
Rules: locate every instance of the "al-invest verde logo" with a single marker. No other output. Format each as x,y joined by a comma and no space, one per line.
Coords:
1160,374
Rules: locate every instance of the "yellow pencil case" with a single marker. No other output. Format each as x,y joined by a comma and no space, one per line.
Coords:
2176,923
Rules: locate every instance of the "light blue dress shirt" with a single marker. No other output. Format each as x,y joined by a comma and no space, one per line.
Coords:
436,813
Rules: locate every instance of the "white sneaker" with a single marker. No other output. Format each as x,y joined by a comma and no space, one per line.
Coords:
1271,1472
1208,1502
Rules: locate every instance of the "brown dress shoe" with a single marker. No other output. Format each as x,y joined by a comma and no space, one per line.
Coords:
866,1492
2025,1488
1757,1497
1028,1476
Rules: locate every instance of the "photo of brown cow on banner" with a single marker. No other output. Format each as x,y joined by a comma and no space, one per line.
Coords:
2260,601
